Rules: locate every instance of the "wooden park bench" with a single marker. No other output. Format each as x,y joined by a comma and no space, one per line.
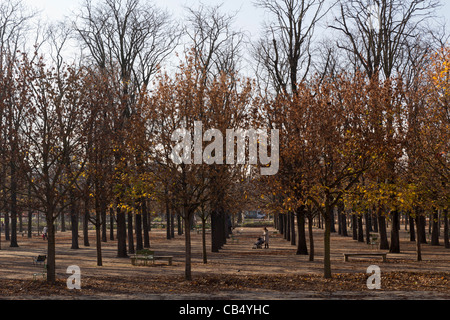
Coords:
42,273
200,229
40,260
147,255
365,255
373,239
168,258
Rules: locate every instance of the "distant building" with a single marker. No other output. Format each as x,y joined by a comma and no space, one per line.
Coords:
254,214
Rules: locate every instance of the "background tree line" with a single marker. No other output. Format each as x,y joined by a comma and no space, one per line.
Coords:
358,90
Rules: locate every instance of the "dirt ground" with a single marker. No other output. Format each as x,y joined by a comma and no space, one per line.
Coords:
237,272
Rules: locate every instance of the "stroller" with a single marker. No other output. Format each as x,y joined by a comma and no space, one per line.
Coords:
258,244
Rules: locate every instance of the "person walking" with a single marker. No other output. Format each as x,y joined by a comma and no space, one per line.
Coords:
266,238
44,233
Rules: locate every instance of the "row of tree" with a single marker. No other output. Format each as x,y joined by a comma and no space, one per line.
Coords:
96,135
375,137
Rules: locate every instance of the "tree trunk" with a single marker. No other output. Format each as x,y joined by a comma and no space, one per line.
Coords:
332,221
20,223
354,226
145,224
51,252
121,234
104,208
168,224
187,232
100,207
30,216
111,224
384,244
86,223
217,230
138,229
74,223
13,206
301,246
327,245
205,259
130,233
63,222
311,238
360,229
375,220
6,217
275,219
339,221
228,226
421,233
224,223
179,225
343,220
215,245
285,226
368,226
280,223
435,228
395,237
172,226
446,230
418,242
30,223
98,242
98,236
292,229
412,231
288,226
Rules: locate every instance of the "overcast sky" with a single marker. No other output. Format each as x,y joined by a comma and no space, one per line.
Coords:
248,17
